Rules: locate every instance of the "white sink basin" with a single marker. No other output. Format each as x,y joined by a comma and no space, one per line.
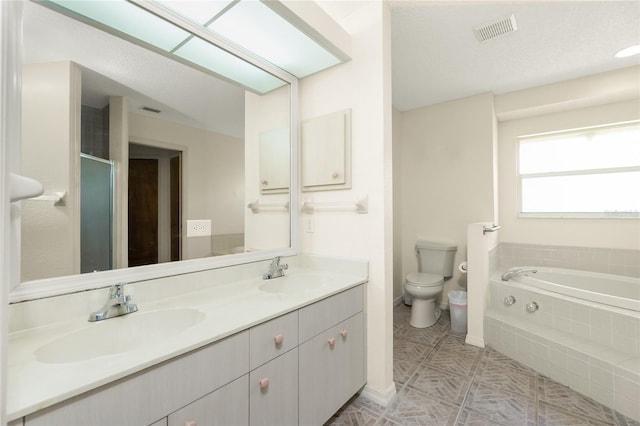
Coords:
118,335
295,283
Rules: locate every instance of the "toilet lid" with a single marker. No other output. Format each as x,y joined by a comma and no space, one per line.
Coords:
423,279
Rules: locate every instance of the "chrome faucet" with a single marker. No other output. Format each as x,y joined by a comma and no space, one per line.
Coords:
514,272
276,269
118,304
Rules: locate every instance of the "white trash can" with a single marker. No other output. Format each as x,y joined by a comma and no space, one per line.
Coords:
458,309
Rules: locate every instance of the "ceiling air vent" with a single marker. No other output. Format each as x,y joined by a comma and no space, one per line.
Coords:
146,108
495,28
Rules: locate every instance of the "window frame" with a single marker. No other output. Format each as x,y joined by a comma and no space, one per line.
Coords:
585,172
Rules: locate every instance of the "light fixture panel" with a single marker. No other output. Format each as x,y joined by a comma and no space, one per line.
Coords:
199,11
283,44
227,65
129,19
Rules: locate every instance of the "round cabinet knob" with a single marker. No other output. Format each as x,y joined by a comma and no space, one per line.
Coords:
331,342
278,339
343,333
264,383
532,307
335,175
265,182
190,423
509,300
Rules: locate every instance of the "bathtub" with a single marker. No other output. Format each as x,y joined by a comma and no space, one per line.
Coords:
612,290
580,328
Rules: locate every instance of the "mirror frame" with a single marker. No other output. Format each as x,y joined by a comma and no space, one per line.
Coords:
11,89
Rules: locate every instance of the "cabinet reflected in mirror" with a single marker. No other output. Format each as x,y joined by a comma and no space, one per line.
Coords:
184,145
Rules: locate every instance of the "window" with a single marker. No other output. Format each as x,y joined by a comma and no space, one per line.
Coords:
592,172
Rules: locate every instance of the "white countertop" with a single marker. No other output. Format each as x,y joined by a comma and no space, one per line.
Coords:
229,308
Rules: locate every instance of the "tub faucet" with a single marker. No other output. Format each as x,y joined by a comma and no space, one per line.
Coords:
276,269
117,304
516,272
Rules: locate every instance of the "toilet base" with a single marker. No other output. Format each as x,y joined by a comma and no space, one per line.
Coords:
424,313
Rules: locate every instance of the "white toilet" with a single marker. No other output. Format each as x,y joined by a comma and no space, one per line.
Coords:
435,263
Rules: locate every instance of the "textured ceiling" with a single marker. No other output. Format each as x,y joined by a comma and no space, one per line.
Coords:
437,58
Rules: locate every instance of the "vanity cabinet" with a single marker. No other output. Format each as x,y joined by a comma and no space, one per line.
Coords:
145,397
332,362
228,405
273,392
299,368
273,381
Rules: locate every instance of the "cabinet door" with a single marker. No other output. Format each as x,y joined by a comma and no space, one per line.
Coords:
229,405
273,392
274,160
326,152
331,370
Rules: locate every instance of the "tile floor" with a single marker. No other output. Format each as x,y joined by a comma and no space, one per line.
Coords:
442,381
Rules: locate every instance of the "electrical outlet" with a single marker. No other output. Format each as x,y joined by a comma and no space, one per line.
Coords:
198,228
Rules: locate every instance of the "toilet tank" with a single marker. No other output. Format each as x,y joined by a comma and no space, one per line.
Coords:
436,257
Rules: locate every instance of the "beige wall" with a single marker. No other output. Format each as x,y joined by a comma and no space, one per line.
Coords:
364,85
397,206
213,166
268,229
446,173
50,154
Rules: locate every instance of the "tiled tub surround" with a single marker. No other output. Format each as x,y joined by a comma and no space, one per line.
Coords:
592,348
230,298
594,259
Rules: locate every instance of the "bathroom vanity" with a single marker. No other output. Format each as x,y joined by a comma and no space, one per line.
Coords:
256,352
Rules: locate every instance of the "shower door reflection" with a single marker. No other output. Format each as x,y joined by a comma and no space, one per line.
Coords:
96,214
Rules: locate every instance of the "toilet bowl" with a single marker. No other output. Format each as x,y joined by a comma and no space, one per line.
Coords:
424,288
435,264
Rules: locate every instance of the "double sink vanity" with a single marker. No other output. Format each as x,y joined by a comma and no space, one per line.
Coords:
222,346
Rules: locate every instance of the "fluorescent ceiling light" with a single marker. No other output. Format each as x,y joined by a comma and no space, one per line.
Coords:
129,19
200,12
250,24
136,23
629,51
254,26
221,62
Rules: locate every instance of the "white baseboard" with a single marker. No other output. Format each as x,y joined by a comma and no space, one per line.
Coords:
397,301
382,398
475,341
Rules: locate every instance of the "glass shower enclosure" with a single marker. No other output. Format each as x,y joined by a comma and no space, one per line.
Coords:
96,213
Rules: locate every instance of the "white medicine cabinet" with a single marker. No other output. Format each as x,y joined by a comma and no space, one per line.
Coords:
326,152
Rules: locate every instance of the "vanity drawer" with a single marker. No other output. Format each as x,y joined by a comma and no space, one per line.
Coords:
273,338
326,313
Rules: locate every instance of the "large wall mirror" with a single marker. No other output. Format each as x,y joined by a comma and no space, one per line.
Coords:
148,156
